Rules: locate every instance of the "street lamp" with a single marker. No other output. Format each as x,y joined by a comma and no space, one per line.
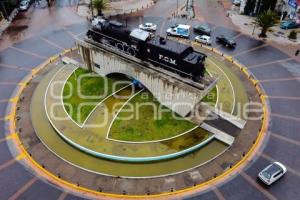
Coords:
92,8
254,28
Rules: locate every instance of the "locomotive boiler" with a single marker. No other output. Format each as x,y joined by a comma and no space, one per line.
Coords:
160,52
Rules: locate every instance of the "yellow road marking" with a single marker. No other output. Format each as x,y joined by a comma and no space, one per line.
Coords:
8,117
76,188
11,136
14,100
21,156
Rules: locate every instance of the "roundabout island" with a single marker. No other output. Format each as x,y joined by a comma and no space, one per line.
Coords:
127,142
113,128
42,157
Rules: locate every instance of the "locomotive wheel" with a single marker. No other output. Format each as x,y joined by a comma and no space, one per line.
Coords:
197,79
120,46
131,52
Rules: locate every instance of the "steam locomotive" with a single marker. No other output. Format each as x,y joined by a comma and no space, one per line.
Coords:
170,55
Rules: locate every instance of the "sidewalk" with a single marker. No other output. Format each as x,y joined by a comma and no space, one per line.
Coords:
115,8
275,34
276,37
5,23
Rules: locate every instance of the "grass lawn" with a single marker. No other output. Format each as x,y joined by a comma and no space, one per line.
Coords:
211,97
232,93
145,124
94,85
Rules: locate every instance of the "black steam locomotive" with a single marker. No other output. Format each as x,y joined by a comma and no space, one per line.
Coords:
171,55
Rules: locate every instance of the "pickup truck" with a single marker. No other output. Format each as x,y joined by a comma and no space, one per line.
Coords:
179,30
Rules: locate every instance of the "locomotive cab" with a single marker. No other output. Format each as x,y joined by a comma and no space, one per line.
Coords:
139,39
196,62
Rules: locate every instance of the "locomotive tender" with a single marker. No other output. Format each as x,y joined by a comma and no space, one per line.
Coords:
170,55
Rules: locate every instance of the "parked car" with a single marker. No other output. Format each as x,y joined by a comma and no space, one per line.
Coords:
204,39
148,27
180,30
237,2
272,173
289,25
96,21
24,5
202,29
226,41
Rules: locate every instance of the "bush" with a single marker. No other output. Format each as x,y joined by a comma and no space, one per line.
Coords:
293,35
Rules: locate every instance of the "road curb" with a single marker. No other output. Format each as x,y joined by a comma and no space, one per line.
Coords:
79,189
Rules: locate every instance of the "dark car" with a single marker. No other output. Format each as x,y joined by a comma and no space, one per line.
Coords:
202,29
226,41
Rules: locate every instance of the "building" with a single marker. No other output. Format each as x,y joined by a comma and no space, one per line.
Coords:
286,8
7,6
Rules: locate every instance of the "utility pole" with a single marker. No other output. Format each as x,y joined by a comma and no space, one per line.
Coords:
92,8
254,28
177,8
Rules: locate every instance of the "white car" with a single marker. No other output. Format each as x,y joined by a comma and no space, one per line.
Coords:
237,2
272,173
180,30
204,39
148,27
24,5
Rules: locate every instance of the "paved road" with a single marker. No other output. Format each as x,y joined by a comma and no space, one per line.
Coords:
31,40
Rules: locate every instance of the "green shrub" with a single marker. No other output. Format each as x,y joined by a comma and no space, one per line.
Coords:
293,35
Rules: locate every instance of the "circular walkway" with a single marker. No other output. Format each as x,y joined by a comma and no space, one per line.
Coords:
278,73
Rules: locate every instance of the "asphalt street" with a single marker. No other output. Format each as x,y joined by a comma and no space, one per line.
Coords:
35,41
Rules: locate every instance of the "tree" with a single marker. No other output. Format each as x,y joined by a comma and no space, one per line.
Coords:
249,7
266,20
268,4
99,5
293,35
